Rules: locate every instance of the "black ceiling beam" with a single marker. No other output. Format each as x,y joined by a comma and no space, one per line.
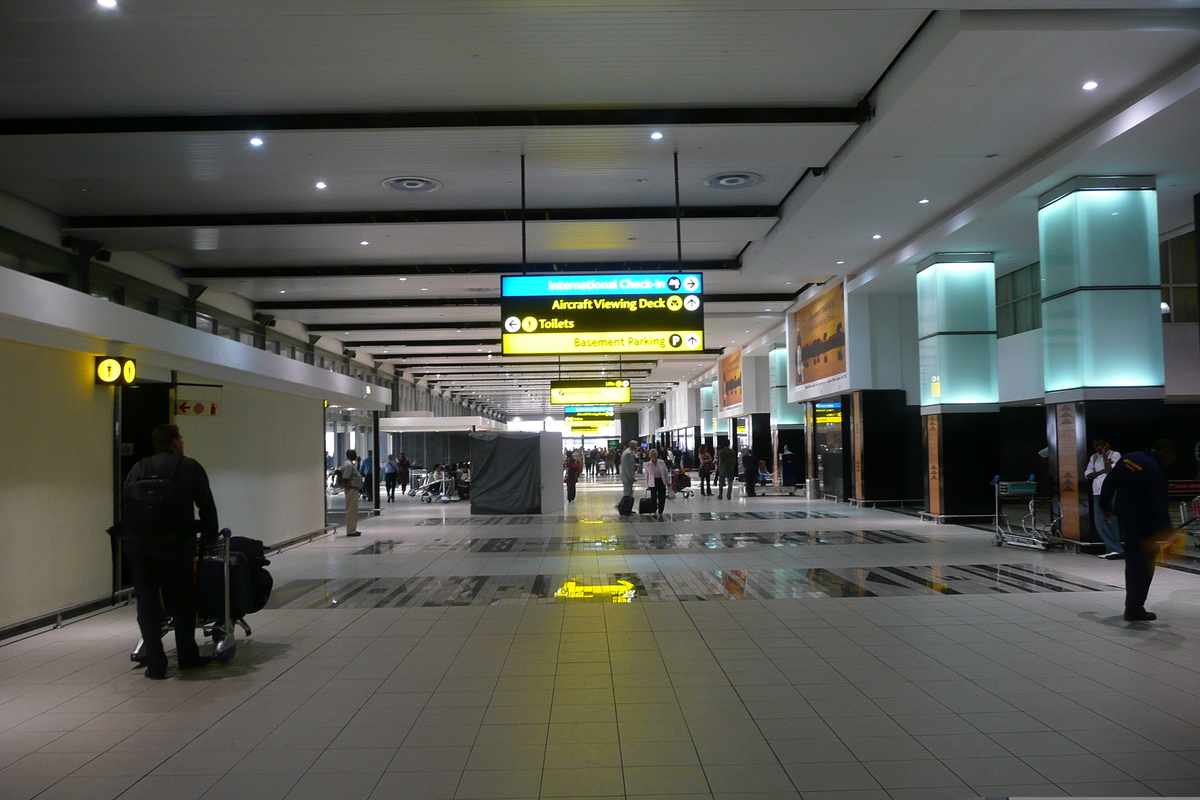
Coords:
434,302
374,120
509,363
419,342
392,270
401,326
414,216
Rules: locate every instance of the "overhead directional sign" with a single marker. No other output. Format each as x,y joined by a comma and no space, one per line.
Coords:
115,370
588,414
631,313
567,393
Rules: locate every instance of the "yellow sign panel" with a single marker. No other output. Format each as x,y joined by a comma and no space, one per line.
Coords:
587,427
582,395
113,369
621,591
604,342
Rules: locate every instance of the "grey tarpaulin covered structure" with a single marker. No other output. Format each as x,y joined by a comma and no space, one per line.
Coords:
506,473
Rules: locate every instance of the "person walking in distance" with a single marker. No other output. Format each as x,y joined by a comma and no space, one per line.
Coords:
571,476
726,470
390,468
157,503
368,476
628,468
351,481
402,474
706,468
1136,491
657,477
749,471
1099,465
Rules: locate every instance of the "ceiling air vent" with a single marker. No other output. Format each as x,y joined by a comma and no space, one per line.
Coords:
412,184
732,180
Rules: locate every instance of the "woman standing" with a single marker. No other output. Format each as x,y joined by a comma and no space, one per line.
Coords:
657,478
706,467
402,473
571,468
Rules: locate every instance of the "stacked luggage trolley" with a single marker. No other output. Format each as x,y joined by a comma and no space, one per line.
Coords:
1041,525
231,582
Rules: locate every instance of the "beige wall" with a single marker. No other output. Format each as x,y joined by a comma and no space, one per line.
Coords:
56,451
265,458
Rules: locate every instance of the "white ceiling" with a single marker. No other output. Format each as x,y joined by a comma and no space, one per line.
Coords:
981,112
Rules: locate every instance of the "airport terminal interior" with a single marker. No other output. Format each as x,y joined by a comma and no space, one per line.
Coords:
913,286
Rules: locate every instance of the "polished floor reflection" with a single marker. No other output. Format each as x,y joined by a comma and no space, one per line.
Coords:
763,648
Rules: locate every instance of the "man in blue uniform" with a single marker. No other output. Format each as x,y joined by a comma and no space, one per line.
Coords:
1136,491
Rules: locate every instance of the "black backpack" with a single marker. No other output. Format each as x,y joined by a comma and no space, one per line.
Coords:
152,504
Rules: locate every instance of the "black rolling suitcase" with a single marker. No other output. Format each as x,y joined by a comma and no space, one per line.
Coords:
625,507
646,505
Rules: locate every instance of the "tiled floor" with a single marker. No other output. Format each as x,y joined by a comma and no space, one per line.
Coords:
836,654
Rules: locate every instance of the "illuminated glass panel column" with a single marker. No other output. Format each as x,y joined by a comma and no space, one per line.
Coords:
956,325
1102,327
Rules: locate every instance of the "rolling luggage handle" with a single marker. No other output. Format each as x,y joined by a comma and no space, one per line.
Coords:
222,632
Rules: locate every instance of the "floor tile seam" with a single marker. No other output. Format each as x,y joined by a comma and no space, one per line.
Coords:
778,761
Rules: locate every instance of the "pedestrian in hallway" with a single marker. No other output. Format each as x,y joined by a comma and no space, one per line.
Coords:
1136,491
628,468
368,474
1099,465
706,468
749,471
657,478
571,477
402,474
726,470
390,470
160,528
351,481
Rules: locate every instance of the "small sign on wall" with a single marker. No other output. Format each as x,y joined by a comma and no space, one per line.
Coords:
197,408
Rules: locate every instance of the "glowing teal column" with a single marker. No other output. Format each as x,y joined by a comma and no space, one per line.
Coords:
1102,327
956,324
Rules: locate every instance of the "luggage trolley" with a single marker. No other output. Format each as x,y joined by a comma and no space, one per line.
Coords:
215,622
1034,533
1189,515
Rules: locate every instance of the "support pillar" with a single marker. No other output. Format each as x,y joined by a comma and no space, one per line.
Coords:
960,395
1102,327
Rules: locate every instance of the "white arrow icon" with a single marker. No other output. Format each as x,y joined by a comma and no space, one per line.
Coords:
693,341
512,324
691,302
691,283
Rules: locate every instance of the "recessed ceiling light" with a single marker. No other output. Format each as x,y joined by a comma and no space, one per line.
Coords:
256,142
843,262
107,3
732,180
1090,85
768,309
877,236
402,279
923,201
283,291
656,136
424,289
321,184
364,243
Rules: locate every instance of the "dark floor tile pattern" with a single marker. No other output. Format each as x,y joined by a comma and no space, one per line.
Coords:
703,516
770,584
633,542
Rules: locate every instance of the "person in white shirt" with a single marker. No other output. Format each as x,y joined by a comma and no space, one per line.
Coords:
657,478
1099,465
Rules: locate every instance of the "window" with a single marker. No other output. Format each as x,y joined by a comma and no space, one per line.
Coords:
1177,261
1019,301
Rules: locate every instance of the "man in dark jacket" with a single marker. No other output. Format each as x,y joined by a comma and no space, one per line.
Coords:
162,547
749,471
1136,491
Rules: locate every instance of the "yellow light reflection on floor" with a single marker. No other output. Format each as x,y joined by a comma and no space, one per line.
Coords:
621,591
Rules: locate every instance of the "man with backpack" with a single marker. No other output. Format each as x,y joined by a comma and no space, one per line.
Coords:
157,519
